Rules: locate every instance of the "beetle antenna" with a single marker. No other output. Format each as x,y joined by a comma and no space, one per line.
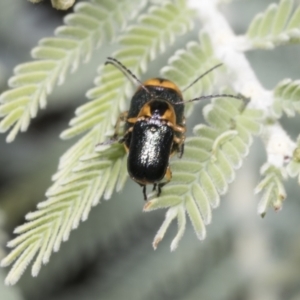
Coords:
240,97
201,76
113,61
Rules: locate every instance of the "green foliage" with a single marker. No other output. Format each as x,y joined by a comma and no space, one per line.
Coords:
141,44
293,167
88,173
278,25
208,166
187,64
80,182
90,26
287,98
272,187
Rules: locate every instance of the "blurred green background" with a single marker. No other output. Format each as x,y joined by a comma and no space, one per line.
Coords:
110,256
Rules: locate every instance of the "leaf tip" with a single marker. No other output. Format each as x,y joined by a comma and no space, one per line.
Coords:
35,270
173,246
156,241
4,263
148,205
11,279
263,214
201,235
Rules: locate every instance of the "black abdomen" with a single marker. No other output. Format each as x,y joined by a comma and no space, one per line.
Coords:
150,147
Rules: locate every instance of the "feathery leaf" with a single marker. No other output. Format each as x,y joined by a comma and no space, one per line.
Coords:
293,168
86,29
78,185
278,25
273,190
287,98
213,164
187,64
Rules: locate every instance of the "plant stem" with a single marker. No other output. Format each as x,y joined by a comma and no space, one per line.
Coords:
227,47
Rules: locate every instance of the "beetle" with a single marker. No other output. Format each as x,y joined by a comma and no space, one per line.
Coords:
154,128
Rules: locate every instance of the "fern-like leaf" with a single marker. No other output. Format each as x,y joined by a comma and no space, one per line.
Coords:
293,168
277,25
272,187
86,29
187,64
287,98
84,177
149,38
207,167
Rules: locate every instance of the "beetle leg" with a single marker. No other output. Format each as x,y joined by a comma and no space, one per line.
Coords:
180,128
177,128
154,186
132,120
123,139
144,190
122,118
181,147
177,140
168,175
160,185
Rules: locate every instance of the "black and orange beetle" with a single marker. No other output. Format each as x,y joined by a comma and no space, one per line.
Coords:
154,128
